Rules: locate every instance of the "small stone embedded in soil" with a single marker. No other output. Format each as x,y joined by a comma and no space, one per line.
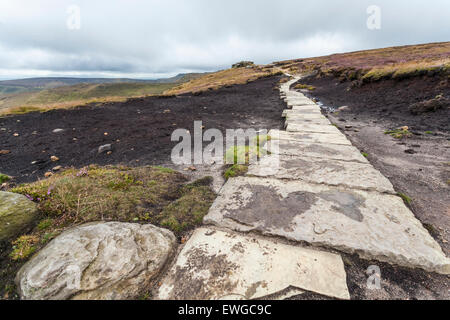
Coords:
58,130
57,168
4,151
104,148
48,174
54,158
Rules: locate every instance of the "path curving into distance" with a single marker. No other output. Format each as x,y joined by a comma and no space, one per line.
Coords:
315,189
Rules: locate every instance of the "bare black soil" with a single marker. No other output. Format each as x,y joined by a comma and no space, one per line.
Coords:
139,130
418,166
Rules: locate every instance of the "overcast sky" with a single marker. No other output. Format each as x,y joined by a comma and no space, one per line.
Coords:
158,38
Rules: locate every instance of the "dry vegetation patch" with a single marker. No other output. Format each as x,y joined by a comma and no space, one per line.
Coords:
114,193
224,78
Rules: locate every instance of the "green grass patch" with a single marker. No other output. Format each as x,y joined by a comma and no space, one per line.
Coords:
365,155
399,133
235,170
428,132
405,198
4,178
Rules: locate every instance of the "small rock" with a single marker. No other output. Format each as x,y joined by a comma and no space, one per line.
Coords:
48,174
57,168
15,134
343,108
58,130
54,158
104,148
106,133
167,111
109,152
34,133
410,151
192,168
4,151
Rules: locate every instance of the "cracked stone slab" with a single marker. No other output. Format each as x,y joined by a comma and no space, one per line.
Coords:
309,149
371,224
313,137
217,265
322,171
305,127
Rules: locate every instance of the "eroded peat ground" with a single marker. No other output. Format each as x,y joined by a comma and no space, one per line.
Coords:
139,130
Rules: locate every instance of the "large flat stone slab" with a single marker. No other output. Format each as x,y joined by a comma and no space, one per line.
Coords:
224,265
309,127
309,149
299,102
371,224
322,171
299,120
306,109
312,137
302,114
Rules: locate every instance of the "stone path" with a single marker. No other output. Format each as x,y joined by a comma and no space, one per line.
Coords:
314,187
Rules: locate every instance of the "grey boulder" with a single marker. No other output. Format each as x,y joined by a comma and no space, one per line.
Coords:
97,261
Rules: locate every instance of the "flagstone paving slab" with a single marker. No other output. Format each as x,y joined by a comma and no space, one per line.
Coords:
310,149
287,113
215,264
312,128
299,120
371,224
322,171
300,102
312,137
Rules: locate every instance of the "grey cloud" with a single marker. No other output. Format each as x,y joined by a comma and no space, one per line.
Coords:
147,37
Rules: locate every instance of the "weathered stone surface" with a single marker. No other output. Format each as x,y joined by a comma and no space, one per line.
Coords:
112,261
224,265
304,108
299,102
314,115
300,120
312,137
374,225
323,171
312,128
308,149
17,214
104,148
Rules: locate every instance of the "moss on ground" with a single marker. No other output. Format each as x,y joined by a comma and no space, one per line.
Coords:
235,170
4,178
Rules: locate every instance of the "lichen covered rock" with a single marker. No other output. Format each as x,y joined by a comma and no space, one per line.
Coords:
104,261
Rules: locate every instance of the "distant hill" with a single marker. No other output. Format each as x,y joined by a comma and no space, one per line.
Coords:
43,93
